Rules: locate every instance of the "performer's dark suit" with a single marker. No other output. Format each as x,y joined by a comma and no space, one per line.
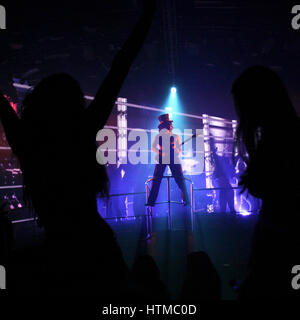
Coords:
172,162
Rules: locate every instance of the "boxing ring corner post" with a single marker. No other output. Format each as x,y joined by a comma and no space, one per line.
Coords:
192,201
149,209
148,212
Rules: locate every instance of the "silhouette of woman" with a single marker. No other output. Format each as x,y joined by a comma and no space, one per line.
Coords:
267,139
55,141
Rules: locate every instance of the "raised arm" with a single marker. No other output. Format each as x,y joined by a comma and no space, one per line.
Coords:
103,103
11,125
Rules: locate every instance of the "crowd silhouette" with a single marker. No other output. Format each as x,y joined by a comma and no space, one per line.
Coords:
54,140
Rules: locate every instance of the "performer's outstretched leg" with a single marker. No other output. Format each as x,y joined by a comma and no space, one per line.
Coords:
157,176
177,173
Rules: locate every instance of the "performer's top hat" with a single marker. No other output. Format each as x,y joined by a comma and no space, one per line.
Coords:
165,121
164,118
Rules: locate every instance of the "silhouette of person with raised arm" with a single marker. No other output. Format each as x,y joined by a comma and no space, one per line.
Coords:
267,139
55,141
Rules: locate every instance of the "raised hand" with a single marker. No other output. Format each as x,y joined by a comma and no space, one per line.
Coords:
100,108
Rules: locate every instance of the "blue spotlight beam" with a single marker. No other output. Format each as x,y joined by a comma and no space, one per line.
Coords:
172,103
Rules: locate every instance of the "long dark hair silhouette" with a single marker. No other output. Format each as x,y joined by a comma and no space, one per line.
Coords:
55,141
265,112
267,139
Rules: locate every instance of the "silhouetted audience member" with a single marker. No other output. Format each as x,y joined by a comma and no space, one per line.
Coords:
202,280
55,141
146,283
267,139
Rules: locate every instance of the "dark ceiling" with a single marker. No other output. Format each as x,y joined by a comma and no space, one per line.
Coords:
215,41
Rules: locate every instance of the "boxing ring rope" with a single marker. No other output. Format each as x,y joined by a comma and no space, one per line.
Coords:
11,187
148,218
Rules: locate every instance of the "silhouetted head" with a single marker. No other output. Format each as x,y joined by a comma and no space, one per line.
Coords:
261,102
202,280
52,121
198,262
146,277
56,101
260,95
145,269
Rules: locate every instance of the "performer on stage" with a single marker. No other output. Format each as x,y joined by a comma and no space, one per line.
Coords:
167,145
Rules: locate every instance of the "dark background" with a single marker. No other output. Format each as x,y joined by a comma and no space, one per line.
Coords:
216,41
